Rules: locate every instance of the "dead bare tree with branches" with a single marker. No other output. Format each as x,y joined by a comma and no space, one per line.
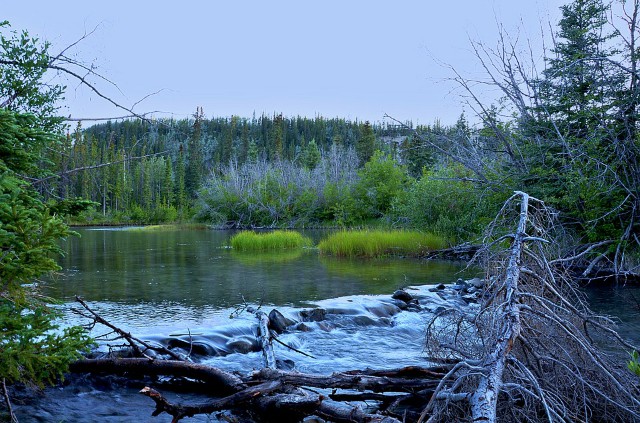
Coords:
534,351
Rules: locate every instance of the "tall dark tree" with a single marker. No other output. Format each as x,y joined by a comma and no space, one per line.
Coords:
366,144
33,348
195,167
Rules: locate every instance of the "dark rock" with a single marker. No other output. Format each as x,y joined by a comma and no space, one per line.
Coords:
400,304
325,326
441,286
460,285
403,295
383,310
470,298
476,282
364,321
439,310
285,364
302,327
242,345
413,307
313,315
278,323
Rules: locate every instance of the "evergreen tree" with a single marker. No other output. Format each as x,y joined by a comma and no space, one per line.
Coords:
366,144
311,155
167,183
195,166
180,184
277,138
33,349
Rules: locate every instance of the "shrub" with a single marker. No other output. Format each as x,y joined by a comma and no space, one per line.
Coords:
269,241
379,243
381,180
444,203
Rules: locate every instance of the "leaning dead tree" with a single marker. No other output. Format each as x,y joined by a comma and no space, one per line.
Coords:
533,351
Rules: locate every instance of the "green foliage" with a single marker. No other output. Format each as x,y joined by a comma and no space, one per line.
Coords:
416,155
443,203
634,364
277,194
379,243
269,241
23,88
340,205
310,155
366,144
33,349
382,179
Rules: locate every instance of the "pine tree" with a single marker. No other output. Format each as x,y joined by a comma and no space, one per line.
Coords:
366,144
180,184
33,348
167,183
311,155
195,166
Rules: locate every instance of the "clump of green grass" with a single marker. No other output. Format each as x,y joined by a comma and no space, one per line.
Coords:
269,241
380,243
166,228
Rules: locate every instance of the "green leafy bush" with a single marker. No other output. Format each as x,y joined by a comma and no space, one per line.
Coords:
382,179
444,203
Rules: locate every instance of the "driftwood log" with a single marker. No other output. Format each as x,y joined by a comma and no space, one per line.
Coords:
532,352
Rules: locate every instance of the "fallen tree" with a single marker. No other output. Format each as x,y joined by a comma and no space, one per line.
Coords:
534,351
531,351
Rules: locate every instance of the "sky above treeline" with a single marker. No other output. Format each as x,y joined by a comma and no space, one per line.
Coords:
353,59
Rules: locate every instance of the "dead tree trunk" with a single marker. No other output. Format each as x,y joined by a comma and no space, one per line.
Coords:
485,398
534,348
264,337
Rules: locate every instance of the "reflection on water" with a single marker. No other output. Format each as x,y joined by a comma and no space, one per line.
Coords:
620,302
147,278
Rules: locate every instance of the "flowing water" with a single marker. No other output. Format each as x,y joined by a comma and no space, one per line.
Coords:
186,289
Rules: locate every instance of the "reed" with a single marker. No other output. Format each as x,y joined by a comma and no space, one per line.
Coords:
269,241
380,243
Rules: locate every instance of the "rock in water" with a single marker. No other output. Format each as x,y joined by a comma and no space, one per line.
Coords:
313,315
476,282
277,322
403,295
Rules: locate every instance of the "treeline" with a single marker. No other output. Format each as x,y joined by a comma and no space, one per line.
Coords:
149,171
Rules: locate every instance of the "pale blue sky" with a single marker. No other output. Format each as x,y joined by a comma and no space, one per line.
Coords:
352,59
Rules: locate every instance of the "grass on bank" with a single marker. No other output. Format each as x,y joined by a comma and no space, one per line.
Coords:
269,241
364,243
167,227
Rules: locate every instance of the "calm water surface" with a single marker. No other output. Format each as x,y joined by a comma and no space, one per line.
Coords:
144,279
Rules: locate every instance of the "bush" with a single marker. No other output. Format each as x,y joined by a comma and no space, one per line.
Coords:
269,241
444,203
382,179
380,243
277,194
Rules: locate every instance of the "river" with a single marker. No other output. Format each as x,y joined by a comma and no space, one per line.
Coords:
186,286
